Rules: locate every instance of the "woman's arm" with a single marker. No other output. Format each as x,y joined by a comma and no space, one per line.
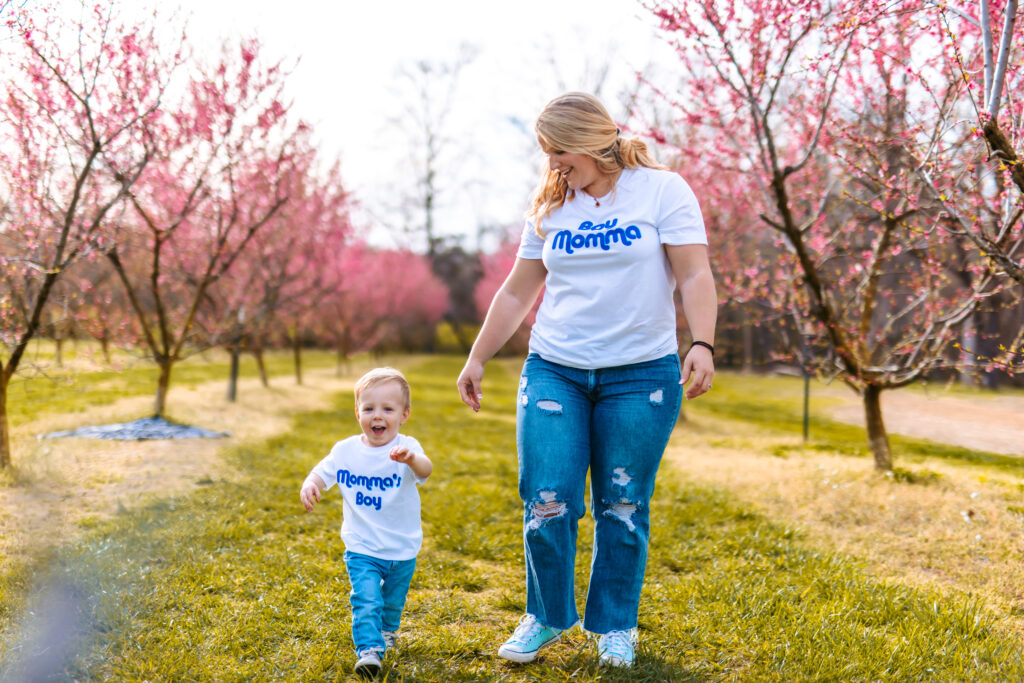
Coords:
700,306
508,309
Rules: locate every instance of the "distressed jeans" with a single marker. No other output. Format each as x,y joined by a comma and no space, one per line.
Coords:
379,588
616,422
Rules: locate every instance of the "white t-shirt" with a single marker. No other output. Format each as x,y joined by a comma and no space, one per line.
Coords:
608,293
381,502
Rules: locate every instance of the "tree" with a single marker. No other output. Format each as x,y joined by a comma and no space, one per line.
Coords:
275,292
219,171
99,305
807,102
984,196
381,299
495,267
76,98
433,149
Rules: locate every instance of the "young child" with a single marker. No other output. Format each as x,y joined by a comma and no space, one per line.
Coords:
377,472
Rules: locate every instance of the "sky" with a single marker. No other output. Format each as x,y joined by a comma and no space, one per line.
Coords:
347,84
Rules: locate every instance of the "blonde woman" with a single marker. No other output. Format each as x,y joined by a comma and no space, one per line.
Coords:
609,236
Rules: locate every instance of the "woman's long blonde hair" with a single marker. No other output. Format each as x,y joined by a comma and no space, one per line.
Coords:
577,122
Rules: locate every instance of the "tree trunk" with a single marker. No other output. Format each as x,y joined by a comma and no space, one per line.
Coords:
1000,144
297,354
969,352
233,374
59,351
877,437
460,335
748,346
261,367
163,384
5,439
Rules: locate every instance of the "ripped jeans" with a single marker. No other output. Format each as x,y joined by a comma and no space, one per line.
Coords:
616,422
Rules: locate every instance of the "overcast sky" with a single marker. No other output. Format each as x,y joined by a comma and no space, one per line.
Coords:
528,51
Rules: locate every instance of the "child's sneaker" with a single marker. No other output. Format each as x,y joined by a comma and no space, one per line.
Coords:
369,663
529,637
390,638
618,648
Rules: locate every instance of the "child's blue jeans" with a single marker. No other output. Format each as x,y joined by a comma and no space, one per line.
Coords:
379,588
615,421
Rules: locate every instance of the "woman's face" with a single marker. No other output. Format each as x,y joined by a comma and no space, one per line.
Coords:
580,172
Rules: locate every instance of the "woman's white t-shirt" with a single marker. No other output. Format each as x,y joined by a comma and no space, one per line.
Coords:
382,504
609,286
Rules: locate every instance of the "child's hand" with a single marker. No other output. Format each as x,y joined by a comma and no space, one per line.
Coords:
402,454
310,495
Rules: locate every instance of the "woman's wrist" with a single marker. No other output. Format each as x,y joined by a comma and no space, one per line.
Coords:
706,345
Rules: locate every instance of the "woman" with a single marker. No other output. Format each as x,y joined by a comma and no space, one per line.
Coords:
608,235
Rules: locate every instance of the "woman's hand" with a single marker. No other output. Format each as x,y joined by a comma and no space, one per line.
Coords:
471,384
508,309
698,366
692,271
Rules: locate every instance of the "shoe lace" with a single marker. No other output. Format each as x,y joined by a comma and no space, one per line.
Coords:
527,629
617,644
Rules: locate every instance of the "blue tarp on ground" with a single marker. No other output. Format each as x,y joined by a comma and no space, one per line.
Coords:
145,428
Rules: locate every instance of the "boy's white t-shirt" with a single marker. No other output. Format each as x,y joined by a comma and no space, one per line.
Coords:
381,503
609,286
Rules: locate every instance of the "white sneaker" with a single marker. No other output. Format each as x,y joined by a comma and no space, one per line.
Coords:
369,664
618,648
390,638
529,637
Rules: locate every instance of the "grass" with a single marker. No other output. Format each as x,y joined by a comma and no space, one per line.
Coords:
776,403
233,581
85,380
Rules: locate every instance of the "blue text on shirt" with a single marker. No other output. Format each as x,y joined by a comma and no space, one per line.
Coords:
570,242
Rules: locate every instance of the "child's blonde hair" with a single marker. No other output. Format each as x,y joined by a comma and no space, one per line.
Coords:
379,376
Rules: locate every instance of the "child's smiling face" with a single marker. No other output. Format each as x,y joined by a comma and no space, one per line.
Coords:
381,410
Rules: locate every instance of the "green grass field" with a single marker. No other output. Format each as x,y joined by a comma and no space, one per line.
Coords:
236,582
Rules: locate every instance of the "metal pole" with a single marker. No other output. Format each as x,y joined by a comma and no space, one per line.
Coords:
807,402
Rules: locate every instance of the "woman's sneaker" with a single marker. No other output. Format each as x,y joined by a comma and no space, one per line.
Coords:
618,648
369,663
390,639
530,636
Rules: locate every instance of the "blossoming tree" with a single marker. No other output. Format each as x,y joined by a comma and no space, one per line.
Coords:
217,174
824,113
77,92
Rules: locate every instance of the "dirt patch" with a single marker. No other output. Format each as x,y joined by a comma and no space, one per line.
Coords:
985,423
66,482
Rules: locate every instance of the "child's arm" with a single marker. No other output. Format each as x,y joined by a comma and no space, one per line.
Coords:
417,462
310,493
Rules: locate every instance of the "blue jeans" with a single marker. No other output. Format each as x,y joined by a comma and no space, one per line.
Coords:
615,422
378,595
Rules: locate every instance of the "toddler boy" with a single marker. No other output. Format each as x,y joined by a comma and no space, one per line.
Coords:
377,472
